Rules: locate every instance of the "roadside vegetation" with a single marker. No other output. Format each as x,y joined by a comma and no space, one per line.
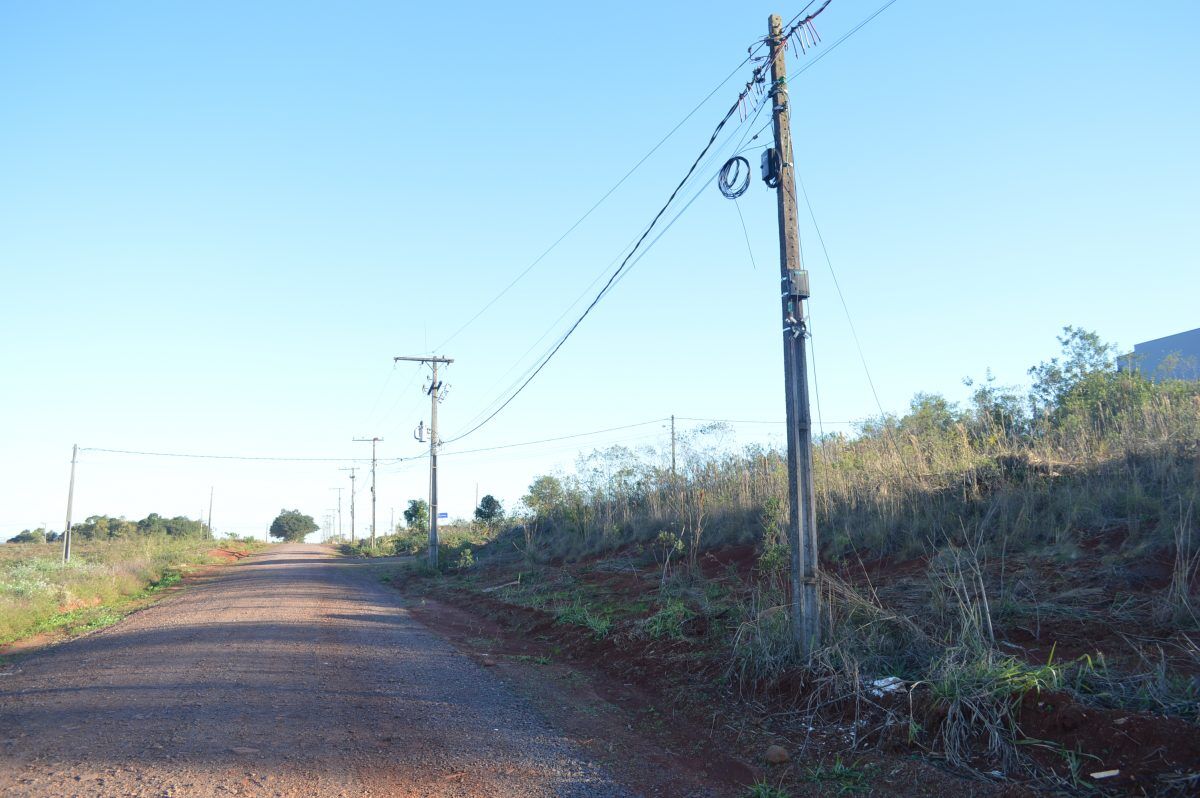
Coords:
105,577
1009,586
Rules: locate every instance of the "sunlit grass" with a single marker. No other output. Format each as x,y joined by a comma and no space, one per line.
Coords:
40,593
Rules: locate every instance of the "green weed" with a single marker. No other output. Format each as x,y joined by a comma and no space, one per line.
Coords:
842,778
669,620
579,614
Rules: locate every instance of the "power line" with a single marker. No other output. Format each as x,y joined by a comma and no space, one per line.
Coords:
596,205
755,83
225,456
195,456
627,248
559,438
619,274
841,39
837,287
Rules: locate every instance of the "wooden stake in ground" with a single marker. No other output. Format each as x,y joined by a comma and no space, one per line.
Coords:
802,521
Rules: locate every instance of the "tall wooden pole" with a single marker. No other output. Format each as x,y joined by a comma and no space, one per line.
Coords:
802,521
672,448
373,442
70,499
435,389
351,470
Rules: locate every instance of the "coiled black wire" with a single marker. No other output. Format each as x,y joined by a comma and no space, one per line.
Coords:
732,180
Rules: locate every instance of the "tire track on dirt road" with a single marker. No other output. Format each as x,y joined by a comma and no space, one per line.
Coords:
293,673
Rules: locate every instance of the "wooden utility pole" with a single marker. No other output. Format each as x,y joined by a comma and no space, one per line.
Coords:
339,511
672,448
802,521
435,395
70,499
373,442
351,470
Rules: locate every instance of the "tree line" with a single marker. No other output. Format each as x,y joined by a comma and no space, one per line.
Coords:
105,527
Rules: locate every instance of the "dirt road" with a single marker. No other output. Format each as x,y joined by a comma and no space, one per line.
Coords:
294,673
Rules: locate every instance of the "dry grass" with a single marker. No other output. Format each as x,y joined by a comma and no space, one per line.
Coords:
39,592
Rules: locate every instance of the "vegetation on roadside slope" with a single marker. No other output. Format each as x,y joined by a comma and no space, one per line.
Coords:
40,593
1014,563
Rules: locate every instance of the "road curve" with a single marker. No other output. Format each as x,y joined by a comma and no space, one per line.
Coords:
294,673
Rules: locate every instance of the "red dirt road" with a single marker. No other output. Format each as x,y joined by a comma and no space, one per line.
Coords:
293,673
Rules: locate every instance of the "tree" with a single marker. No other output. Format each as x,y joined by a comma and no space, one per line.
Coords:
29,536
417,515
489,511
1083,354
545,496
292,526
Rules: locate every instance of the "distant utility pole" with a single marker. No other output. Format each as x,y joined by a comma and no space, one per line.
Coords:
210,498
339,511
70,499
672,447
351,470
373,441
802,521
435,395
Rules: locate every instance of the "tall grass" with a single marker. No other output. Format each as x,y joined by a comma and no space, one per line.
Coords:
903,485
39,592
1107,464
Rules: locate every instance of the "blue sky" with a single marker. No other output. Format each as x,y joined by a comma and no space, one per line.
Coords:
220,221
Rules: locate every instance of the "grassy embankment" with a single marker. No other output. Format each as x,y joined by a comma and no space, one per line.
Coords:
1016,570
105,578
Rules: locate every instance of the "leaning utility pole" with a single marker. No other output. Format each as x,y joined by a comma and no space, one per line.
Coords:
373,441
802,521
434,392
70,498
351,470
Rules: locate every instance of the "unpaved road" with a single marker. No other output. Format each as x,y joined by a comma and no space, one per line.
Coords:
294,673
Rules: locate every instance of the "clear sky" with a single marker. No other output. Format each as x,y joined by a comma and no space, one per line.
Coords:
220,221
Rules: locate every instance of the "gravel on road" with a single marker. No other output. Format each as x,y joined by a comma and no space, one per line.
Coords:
293,673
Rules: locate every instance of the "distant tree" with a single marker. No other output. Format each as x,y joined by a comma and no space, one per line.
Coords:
29,536
545,496
417,515
153,524
930,414
998,412
1083,354
490,512
103,527
292,526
